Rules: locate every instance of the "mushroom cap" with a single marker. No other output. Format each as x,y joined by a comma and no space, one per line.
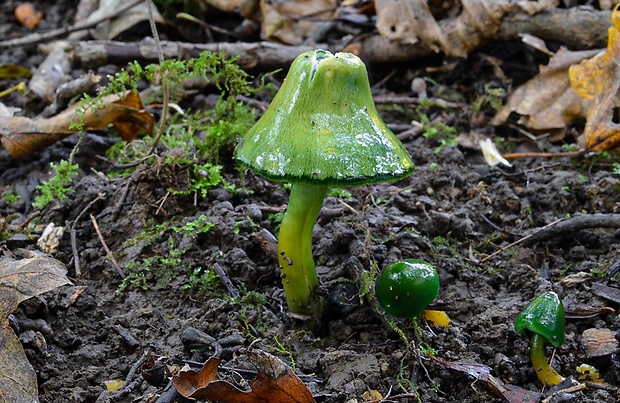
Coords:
405,288
544,315
322,128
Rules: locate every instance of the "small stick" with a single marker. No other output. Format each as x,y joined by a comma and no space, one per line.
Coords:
578,222
107,250
545,155
54,33
517,242
232,290
76,257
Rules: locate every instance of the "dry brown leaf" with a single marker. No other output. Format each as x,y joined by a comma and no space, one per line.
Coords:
274,383
597,81
20,280
18,381
21,136
482,374
111,28
410,21
28,15
26,278
547,101
284,21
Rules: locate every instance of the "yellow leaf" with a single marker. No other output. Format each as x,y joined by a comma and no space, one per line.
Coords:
597,81
439,318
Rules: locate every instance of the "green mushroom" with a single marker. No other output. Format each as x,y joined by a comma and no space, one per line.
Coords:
405,288
321,130
542,320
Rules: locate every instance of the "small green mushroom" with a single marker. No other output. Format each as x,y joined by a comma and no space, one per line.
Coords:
542,320
322,129
405,288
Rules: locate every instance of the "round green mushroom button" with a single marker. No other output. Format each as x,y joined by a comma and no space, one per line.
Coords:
405,288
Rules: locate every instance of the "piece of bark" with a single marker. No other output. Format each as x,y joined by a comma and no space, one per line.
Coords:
50,74
598,343
69,90
267,242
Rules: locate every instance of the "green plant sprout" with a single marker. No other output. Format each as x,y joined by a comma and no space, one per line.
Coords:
321,130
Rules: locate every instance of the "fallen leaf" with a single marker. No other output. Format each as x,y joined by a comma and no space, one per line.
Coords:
411,21
20,280
284,21
28,15
110,29
18,381
274,383
14,71
547,101
597,81
482,373
491,154
21,136
438,318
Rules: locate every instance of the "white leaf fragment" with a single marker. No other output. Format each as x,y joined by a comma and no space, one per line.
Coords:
490,153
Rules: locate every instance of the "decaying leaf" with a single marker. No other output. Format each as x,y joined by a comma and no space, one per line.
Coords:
547,101
411,21
482,374
20,280
289,21
14,71
490,153
21,136
110,29
28,15
18,381
274,383
597,81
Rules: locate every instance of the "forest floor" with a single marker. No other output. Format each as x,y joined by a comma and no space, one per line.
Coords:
453,211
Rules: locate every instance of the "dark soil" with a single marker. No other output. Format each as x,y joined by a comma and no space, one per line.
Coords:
453,211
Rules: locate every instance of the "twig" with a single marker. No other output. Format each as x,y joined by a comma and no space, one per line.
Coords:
563,225
230,287
575,223
74,250
76,256
545,155
164,79
107,250
55,33
517,242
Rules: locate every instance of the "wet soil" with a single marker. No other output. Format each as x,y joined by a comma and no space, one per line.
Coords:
453,211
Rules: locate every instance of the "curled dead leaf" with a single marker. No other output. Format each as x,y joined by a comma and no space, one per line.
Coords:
411,21
274,383
547,101
28,15
292,22
21,136
20,280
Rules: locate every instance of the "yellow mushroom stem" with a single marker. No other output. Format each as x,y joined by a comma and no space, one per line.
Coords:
544,371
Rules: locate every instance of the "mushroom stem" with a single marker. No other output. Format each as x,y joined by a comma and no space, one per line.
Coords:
297,267
544,371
